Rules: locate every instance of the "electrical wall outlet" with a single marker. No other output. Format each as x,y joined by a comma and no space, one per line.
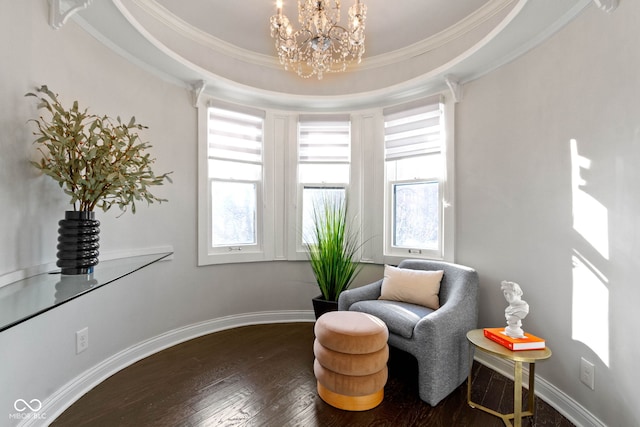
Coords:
587,373
82,340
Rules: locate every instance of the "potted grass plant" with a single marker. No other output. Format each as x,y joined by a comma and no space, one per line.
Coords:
98,162
332,248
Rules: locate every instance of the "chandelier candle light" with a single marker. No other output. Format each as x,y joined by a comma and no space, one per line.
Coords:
322,45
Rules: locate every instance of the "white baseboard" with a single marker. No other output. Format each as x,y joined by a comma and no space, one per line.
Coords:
573,411
64,397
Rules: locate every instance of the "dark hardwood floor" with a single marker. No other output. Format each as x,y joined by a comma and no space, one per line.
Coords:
262,376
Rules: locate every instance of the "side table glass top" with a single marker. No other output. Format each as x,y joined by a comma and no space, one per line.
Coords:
29,297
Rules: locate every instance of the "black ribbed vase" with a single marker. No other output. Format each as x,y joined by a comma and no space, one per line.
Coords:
78,242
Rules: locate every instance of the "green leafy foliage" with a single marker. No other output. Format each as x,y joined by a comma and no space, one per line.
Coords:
97,161
334,247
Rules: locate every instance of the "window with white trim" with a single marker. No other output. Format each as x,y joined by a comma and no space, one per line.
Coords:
259,173
414,142
234,180
324,155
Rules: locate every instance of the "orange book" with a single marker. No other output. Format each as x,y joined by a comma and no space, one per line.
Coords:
531,342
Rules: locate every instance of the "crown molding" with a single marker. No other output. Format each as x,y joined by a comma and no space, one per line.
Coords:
61,10
606,5
438,40
171,21
524,26
197,90
462,27
454,86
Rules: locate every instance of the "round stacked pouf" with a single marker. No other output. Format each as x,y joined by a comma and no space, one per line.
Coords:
351,359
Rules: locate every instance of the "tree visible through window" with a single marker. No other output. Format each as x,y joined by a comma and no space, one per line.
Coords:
416,217
314,197
235,177
414,139
233,213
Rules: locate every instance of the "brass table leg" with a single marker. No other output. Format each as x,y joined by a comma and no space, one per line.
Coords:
517,414
532,397
480,342
517,395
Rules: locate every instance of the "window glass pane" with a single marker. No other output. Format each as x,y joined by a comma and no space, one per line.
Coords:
320,173
314,196
234,170
233,213
416,216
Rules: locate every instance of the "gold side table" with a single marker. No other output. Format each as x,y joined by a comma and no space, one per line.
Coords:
479,341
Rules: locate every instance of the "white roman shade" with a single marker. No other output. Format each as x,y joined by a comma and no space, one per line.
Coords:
235,135
413,129
324,138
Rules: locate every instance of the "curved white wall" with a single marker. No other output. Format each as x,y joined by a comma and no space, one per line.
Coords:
564,226
514,204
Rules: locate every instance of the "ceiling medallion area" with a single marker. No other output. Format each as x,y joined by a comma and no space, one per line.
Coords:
322,45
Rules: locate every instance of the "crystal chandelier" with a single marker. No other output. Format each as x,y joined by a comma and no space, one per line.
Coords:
322,45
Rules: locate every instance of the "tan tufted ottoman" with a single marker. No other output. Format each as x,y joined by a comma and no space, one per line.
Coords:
351,359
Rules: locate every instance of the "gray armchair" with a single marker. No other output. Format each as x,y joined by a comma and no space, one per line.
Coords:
436,338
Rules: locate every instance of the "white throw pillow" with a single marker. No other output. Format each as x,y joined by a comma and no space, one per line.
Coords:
419,287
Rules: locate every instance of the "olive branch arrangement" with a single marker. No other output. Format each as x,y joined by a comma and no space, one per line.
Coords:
97,161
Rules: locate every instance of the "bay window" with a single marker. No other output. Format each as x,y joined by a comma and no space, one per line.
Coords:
260,172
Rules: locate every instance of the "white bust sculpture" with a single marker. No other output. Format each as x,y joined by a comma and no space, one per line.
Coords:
516,311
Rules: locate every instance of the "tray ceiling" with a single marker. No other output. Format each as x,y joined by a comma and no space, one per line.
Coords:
413,48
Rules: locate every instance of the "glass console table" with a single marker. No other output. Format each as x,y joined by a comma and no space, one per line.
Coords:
27,298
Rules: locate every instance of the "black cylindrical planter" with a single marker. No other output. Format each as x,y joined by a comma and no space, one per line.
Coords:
78,245
322,306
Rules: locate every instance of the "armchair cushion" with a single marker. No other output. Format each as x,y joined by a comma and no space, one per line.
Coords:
419,287
400,317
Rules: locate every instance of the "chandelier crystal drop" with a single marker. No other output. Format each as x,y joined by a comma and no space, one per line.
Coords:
322,45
